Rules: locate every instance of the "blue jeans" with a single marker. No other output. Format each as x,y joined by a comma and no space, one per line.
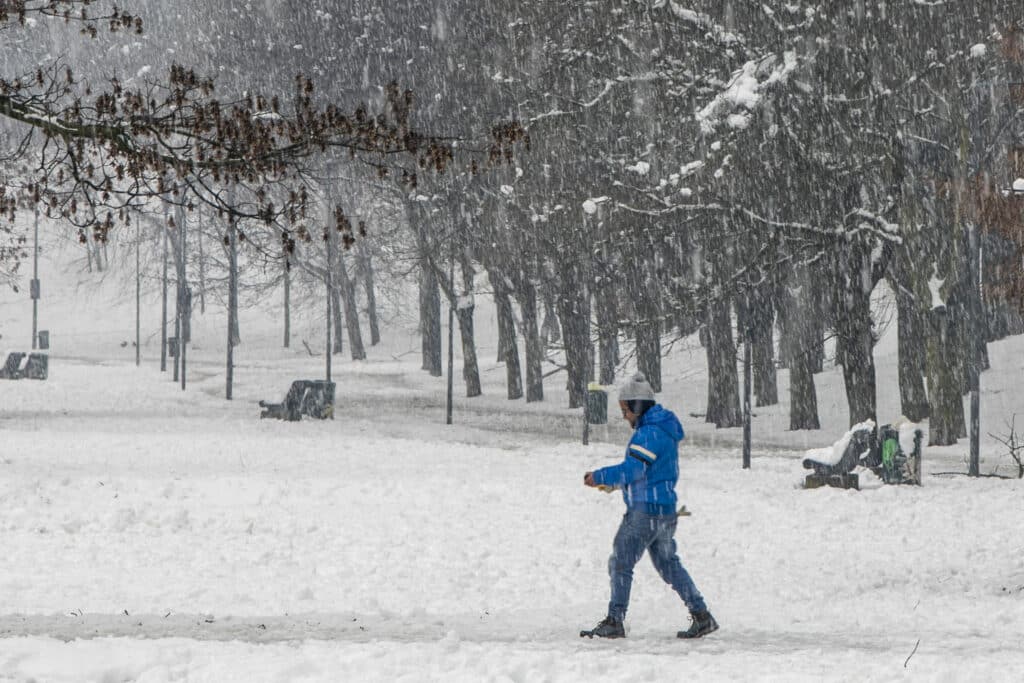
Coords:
637,533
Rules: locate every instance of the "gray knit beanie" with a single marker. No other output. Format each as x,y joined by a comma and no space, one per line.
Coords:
636,388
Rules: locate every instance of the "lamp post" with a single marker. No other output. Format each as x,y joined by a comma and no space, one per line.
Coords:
138,291
449,400
974,349
34,286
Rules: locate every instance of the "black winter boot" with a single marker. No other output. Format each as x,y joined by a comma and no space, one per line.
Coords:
703,623
608,628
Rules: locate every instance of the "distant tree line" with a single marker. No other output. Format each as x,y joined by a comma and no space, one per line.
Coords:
746,172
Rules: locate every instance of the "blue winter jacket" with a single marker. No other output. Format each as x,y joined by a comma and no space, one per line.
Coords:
648,474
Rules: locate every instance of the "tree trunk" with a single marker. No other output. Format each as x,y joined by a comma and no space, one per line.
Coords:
366,271
723,377
507,347
574,314
503,311
348,297
912,355
526,294
945,406
762,324
88,252
470,367
430,320
799,347
202,264
648,350
336,318
851,312
550,329
607,333
854,334
816,342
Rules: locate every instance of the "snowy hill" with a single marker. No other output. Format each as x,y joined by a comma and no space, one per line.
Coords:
157,534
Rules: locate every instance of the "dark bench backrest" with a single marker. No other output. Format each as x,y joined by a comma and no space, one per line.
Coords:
12,364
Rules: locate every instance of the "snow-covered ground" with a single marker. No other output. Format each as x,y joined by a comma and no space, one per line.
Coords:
150,534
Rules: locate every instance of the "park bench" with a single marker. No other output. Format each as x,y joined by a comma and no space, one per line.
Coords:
834,466
882,452
314,398
19,365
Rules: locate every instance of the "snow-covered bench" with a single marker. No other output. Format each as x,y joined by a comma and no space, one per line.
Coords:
893,452
305,397
834,466
18,365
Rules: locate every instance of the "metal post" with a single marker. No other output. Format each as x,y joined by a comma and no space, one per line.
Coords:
588,372
287,300
232,301
138,292
330,292
747,354
163,314
184,307
451,334
35,280
974,343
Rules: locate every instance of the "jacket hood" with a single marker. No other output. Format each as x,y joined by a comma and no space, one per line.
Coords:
664,419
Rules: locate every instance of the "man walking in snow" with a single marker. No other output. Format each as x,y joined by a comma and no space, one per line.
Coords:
647,477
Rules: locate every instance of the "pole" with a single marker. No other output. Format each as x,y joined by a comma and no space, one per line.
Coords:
287,300
451,334
588,371
747,353
163,315
35,280
138,292
329,279
974,343
185,306
232,302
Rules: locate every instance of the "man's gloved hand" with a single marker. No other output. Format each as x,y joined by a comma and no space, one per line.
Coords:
588,479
